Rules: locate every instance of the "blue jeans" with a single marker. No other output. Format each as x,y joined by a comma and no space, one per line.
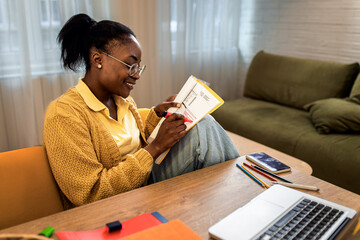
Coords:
204,145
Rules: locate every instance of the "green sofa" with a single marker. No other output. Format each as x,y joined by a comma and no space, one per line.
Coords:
306,108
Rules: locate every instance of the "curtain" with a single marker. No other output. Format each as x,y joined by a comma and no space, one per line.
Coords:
142,17
199,38
31,75
180,38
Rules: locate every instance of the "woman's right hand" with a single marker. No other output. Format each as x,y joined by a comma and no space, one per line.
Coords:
170,132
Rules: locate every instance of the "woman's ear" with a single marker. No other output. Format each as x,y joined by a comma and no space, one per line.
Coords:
96,58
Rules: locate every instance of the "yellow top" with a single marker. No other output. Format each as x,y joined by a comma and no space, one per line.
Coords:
124,130
86,161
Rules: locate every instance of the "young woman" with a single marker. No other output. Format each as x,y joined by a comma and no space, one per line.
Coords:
93,134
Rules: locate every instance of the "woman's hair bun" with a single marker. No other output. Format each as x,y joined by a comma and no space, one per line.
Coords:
75,40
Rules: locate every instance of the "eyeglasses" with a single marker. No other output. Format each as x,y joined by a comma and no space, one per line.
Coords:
133,69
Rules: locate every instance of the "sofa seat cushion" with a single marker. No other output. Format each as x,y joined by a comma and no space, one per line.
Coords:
334,157
335,115
274,125
295,82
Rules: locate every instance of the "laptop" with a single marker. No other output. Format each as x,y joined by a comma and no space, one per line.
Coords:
284,213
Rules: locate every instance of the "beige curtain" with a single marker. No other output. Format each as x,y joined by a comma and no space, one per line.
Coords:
142,17
180,38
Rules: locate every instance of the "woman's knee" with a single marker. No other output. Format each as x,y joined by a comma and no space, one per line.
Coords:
208,119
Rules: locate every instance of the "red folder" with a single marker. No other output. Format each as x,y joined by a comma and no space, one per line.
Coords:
133,225
173,230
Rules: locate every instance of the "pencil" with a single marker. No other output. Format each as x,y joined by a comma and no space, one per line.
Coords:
293,185
262,173
247,173
357,228
271,174
267,186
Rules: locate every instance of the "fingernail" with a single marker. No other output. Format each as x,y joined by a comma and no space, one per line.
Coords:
178,105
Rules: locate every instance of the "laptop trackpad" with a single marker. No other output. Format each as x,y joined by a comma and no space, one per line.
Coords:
245,222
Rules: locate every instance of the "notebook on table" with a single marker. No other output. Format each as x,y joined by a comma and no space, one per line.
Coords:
284,213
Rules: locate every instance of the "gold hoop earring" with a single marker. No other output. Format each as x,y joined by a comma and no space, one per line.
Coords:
99,66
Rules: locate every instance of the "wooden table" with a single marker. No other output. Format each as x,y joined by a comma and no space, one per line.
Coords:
199,199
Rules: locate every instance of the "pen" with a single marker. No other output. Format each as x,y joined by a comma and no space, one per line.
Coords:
165,114
294,185
267,186
262,173
246,172
271,174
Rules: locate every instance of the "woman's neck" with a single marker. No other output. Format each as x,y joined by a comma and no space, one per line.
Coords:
105,97
93,84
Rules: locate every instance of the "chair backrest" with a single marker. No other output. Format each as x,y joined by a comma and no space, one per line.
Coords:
27,187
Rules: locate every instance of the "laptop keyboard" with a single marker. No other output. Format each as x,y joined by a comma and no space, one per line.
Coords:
307,220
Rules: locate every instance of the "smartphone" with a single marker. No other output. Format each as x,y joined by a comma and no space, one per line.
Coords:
269,163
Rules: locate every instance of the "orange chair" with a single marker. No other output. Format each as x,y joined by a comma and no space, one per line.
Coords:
27,187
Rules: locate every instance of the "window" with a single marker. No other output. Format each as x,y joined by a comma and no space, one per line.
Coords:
204,26
50,22
28,31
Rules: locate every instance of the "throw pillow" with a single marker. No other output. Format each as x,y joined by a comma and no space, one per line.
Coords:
356,87
296,81
335,115
355,99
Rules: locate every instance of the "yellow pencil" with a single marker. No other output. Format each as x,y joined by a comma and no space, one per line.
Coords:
267,186
357,228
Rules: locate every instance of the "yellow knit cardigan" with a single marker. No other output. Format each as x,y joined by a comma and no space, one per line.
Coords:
84,158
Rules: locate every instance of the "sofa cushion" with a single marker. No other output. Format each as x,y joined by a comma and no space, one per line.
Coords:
268,123
333,157
295,82
335,115
355,99
356,87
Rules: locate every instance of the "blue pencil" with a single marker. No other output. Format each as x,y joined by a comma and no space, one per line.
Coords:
246,172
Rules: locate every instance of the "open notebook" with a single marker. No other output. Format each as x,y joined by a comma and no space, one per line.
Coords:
284,213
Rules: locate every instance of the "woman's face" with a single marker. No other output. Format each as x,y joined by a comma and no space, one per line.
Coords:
115,77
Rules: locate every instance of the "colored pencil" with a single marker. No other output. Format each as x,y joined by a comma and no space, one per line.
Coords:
246,172
262,173
271,174
357,228
267,186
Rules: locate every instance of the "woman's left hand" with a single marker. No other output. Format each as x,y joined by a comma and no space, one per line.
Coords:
168,103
